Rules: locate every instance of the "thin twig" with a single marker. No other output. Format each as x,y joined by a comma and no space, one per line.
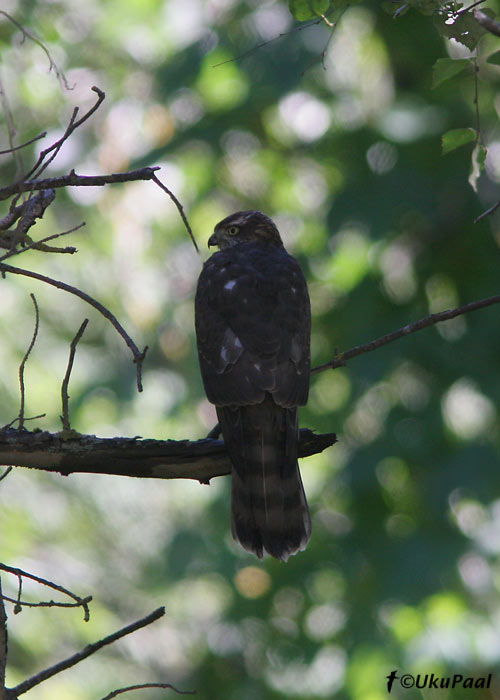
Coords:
179,208
27,212
74,180
130,688
138,355
298,28
488,212
40,245
3,645
23,362
340,360
81,602
6,473
11,129
23,145
64,387
46,603
84,653
73,124
28,35
463,10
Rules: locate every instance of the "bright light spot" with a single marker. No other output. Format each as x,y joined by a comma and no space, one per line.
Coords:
186,107
324,621
381,157
323,677
466,411
186,21
475,572
470,515
493,160
396,263
252,582
271,21
442,295
306,116
410,121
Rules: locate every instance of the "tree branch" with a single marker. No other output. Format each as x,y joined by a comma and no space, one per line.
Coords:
84,653
3,645
64,386
138,355
141,686
158,459
341,360
24,360
74,180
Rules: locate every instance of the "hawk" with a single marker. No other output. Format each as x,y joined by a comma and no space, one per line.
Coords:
253,327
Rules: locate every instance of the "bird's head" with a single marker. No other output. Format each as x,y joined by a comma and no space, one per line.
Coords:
245,227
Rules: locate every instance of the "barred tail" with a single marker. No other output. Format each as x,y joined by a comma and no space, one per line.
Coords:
269,512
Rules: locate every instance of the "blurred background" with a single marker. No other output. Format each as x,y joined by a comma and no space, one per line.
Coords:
344,153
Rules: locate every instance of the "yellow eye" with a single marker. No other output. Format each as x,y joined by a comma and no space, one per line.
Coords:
233,230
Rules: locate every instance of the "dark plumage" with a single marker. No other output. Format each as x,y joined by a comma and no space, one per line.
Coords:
253,325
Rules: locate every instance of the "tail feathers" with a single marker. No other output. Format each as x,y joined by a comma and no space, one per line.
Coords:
269,512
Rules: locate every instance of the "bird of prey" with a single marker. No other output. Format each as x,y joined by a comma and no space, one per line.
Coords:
253,327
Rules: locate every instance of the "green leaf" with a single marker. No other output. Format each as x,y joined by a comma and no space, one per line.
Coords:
303,10
478,162
446,68
457,137
494,58
463,29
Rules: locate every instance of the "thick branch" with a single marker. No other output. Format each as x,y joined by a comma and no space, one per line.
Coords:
160,459
340,360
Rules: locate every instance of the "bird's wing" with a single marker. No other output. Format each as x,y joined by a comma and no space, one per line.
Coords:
253,327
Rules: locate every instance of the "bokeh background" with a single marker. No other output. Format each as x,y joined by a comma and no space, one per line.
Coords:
403,569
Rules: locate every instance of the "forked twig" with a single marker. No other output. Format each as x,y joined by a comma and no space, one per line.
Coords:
141,686
80,602
84,653
137,354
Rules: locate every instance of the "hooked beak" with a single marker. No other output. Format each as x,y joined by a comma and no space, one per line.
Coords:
214,239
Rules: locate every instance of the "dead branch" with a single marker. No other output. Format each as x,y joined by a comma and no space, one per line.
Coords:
83,654
79,602
130,688
157,459
64,386
74,180
24,360
431,320
3,645
137,354
180,209
23,145
42,244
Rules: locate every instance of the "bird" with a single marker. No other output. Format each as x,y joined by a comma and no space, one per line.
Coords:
253,328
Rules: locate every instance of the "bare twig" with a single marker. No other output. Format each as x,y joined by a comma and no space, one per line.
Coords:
73,124
341,360
28,35
488,212
23,145
6,473
30,210
85,653
79,602
130,688
19,604
64,387
463,10
24,360
41,245
491,25
3,645
74,180
137,354
179,206
298,28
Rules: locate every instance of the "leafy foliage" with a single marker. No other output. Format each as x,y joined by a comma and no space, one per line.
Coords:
402,569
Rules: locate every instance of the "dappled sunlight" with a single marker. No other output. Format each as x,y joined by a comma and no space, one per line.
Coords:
467,411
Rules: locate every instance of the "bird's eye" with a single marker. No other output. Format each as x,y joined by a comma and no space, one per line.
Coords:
233,230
